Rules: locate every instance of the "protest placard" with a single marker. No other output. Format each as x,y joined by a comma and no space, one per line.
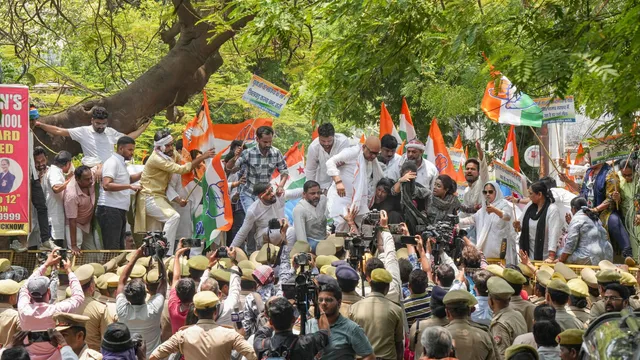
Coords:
557,110
15,145
265,96
508,177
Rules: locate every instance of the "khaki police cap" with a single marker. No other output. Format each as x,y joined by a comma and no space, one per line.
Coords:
267,254
606,265
67,320
225,263
381,276
495,269
546,268
513,277
499,287
578,288
519,349
98,269
9,287
402,253
565,271
5,265
184,267
152,277
627,279
198,262
221,275
558,276
247,274
298,247
138,271
253,257
459,296
84,274
338,241
559,285
328,270
608,276
112,280
323,260
240,254
570,337
101,281
526,271
144,261
589,276
246,264
325,247
205,300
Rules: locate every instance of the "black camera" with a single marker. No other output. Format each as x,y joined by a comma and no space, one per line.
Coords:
302,259
274,224
448,237
154,244
192,243
303,290
223,252
38,336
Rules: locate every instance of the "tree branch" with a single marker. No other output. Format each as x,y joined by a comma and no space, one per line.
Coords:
187,15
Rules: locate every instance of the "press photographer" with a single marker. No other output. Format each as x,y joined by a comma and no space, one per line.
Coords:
303,289
276,340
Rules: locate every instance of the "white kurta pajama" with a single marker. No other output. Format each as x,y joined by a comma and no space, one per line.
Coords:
316,168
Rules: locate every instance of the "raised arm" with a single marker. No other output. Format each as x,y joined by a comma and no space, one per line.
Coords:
176,264
53,130
127,270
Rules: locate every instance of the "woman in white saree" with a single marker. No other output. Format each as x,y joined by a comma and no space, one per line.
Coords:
493,223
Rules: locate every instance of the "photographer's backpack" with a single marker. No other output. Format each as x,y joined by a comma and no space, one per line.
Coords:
283,352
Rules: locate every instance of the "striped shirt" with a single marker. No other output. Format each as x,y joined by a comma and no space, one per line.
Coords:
417,307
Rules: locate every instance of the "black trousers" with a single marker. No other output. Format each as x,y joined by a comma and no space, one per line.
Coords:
113,224
39,202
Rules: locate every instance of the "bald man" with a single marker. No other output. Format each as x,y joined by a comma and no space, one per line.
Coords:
354,183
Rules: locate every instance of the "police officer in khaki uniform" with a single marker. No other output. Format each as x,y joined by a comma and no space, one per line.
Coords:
540,290
438,318
578,299
348,281
507,324
9,323
589,276
629,281
604,277
473,341
94,310
516,280
73,328
570,342
514,350
107,284
558,296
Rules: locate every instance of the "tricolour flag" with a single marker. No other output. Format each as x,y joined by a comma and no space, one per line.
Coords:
386,124
244,131
508,106
579,160
510,154
216,203
294,158
197,135
407,131
437,153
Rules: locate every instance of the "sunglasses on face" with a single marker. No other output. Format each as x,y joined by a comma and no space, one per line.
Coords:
485,192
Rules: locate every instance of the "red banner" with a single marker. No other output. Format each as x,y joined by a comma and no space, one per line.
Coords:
14,160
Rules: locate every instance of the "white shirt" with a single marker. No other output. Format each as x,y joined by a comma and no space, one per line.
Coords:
310,221
142,319
94,144
257,217
317,157
393,163
554,226
55,203
116,169
426,175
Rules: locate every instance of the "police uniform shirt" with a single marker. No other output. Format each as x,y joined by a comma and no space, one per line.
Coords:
348,299
473,341
110,314
525,308
97,323
415,333
9,323
597,309
592,300
506,325
566,320
580,314
382,321
88,354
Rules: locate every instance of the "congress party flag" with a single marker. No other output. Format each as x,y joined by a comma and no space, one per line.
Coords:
506,105
244,131
458,143
407,131
386,124
216,203
197,135
294,158
314,134
437,152
510,154
579,160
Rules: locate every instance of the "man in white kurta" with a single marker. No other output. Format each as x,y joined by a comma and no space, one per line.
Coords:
326,145
389,157
310,215
427,172
355,181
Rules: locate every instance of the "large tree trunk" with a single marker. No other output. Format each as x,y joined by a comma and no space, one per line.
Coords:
183,72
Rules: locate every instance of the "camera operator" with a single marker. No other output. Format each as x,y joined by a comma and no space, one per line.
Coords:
133,310
228,284
410,190
34,310
277,338
387,255
260,214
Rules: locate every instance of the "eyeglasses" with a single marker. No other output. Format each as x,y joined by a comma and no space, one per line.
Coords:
611,298
326,300
485,192
372,152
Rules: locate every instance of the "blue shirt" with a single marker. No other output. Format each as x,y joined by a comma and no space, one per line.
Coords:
417,307
347,339
483,313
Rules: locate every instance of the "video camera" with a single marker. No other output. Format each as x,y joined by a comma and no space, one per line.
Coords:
154,244
303,290
448,239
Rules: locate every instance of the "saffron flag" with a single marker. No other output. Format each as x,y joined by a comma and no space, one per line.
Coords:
510,154
314,134
407,131
362,139
506,105
437,153
197,135
386,124
458,143
216,203
294,158
579,160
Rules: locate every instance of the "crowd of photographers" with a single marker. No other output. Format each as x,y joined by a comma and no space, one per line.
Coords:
375,265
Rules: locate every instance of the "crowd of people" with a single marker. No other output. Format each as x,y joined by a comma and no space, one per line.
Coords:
307,290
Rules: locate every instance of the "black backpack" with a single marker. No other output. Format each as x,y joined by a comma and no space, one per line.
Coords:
283,352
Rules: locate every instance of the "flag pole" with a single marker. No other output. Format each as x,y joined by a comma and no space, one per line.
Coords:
545,149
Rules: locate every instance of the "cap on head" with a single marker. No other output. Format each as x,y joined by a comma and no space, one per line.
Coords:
606,265
323,260
461,297
381,276
152,277
578,288
608,276
589,276
543,277
566,271
262,274
221,275
570,337
513,277
38,286
198,262
346,272
9,287
67,320
559,285
526,271
205,300
518,349
626,279
499,288
84,274
268,249
495,269
558,276
325,247
5,265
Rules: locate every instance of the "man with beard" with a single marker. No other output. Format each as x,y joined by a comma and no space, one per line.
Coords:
40,161
388,157
114,198
9,322
310,215
268,207
426,173
476,174
97,140
326,145
152,203
616,298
